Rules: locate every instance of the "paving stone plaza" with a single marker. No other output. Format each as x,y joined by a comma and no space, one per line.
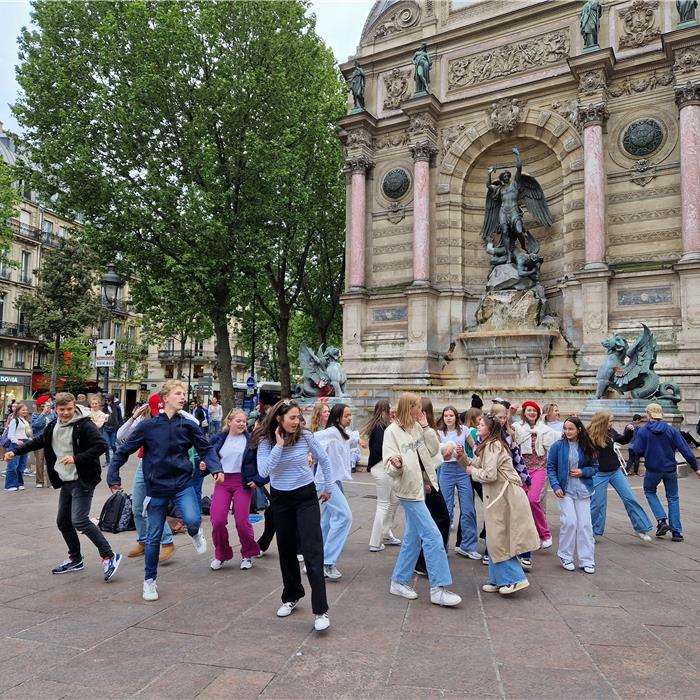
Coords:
629,631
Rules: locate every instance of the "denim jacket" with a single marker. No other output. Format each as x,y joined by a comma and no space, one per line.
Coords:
558,466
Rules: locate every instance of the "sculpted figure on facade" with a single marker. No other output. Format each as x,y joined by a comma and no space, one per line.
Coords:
423,63
591,13
395,88
505,115
357,86
640,24
686,10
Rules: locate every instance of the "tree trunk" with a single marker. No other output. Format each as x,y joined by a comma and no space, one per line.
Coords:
223,353
283,351
180,373
54,366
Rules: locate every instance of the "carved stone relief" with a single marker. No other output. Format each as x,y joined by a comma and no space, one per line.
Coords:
422,123
592,81
448,136
687,94
643,137
504,115
391,140
395,183
687,60
401,19
592,114
396,87
510,59
639,24
358,137
568,109
631,85
643,172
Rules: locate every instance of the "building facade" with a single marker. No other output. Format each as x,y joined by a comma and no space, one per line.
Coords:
612,134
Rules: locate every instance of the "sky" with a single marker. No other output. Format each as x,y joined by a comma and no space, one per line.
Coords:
338,22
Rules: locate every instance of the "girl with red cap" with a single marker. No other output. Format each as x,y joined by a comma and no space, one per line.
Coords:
534,439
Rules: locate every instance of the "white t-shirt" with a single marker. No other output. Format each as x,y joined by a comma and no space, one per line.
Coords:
231,453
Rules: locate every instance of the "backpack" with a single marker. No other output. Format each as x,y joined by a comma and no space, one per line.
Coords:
117,513
4,440
206,505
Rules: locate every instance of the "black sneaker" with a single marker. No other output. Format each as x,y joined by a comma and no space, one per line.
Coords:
662,528
68,566
676,537
110,566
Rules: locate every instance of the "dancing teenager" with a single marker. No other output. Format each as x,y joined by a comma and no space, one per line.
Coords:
283,447
387,502
18,433
72,447
610,472
571,466
166,440
510,529
410,449
319,417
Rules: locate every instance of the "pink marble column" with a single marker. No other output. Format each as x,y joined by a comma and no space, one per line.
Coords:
688,101
357,239
592,118
422,154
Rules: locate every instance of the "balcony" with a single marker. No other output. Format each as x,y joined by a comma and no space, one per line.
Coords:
33,233
118,306
15,330
194,355
239,361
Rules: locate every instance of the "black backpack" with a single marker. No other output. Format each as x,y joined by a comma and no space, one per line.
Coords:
117,513
206,505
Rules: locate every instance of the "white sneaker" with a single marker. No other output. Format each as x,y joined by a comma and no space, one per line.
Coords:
20,488
490,588
588,569
12,488
300,557
402,590
285,610
568,565
439,595
644,537
392,541
546,544
330,571
199,542
40,486
322,622
246,563
216,564
150,590
381,548
513,587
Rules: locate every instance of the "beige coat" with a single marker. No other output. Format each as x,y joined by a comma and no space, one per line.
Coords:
510,528
408,480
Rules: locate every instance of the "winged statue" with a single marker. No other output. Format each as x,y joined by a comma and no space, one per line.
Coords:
506,197
322,372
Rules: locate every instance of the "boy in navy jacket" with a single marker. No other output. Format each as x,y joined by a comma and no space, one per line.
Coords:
167,473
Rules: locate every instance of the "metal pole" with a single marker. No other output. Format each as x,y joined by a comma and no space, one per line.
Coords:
252,350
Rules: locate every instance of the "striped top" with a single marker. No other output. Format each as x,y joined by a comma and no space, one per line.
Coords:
288,467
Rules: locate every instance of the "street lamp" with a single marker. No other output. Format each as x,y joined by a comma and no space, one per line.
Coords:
111,283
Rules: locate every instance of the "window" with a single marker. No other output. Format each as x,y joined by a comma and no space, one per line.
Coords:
170,346
47,227
169,371
25,269
131,332
118,329
5,269
2,308
62,232
21,319
198,349
197,371
19,358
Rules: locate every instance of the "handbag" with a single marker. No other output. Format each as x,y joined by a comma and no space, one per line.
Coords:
262,502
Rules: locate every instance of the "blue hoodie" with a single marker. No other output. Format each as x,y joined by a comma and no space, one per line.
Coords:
249,464
657,442
167,468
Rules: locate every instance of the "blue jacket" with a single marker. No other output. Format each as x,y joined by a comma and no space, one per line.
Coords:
40,421
167,468
657,442
558,466
249,466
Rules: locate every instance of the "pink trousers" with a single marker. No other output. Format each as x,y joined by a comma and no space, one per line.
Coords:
232,490
534,495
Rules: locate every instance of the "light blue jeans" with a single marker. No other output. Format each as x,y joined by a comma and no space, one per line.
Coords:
505,573
421,531
599,503
14,475
336,521
651,483
138,494
450,476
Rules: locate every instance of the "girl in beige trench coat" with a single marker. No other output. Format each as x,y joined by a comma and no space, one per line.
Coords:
510,529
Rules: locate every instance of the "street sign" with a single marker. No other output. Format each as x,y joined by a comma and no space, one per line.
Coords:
250,382
205,380
105,348
104,362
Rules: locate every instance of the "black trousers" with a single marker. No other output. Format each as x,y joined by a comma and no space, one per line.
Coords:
265,539
295,512
633,462
476,487
437,508
74,503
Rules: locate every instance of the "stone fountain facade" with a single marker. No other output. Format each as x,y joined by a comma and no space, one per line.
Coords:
613,136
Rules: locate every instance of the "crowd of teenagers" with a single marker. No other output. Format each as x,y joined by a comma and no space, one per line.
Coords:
503,457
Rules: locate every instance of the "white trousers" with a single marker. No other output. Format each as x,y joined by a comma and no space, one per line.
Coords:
387,503
576,530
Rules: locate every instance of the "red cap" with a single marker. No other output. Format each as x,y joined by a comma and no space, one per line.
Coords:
42,400
534,405
155,403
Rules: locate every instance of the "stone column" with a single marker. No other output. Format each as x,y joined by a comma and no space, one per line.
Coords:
591,118
688,101
357,238
422,153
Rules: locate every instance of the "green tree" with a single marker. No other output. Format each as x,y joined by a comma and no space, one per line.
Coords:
9,199
196,138
73,367
65,302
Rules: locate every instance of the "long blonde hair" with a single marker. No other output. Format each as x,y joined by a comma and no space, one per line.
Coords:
404,418
598,428
315,420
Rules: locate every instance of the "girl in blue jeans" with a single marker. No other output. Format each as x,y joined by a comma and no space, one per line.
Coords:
18,432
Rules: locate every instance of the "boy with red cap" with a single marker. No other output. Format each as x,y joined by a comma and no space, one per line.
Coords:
41,417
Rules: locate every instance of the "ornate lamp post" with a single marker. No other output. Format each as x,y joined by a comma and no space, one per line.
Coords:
111,283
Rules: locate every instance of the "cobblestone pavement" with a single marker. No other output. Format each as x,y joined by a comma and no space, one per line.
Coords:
632,630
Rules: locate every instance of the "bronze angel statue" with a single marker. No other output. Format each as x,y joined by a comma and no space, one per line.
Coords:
323,375
505,199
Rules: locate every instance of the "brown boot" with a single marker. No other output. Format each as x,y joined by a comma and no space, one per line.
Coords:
166,551
137,551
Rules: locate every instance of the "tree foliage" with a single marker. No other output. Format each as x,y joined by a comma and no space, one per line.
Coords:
197,138
9,199
73,367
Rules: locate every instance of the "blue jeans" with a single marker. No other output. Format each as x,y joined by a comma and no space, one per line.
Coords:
186,503
15,469
505,573
450,476
138,494
599,503
421,531
111,437
336,521
197,481
214,427
670,479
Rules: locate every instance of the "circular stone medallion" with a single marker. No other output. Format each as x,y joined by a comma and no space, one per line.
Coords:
395,183
643,137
